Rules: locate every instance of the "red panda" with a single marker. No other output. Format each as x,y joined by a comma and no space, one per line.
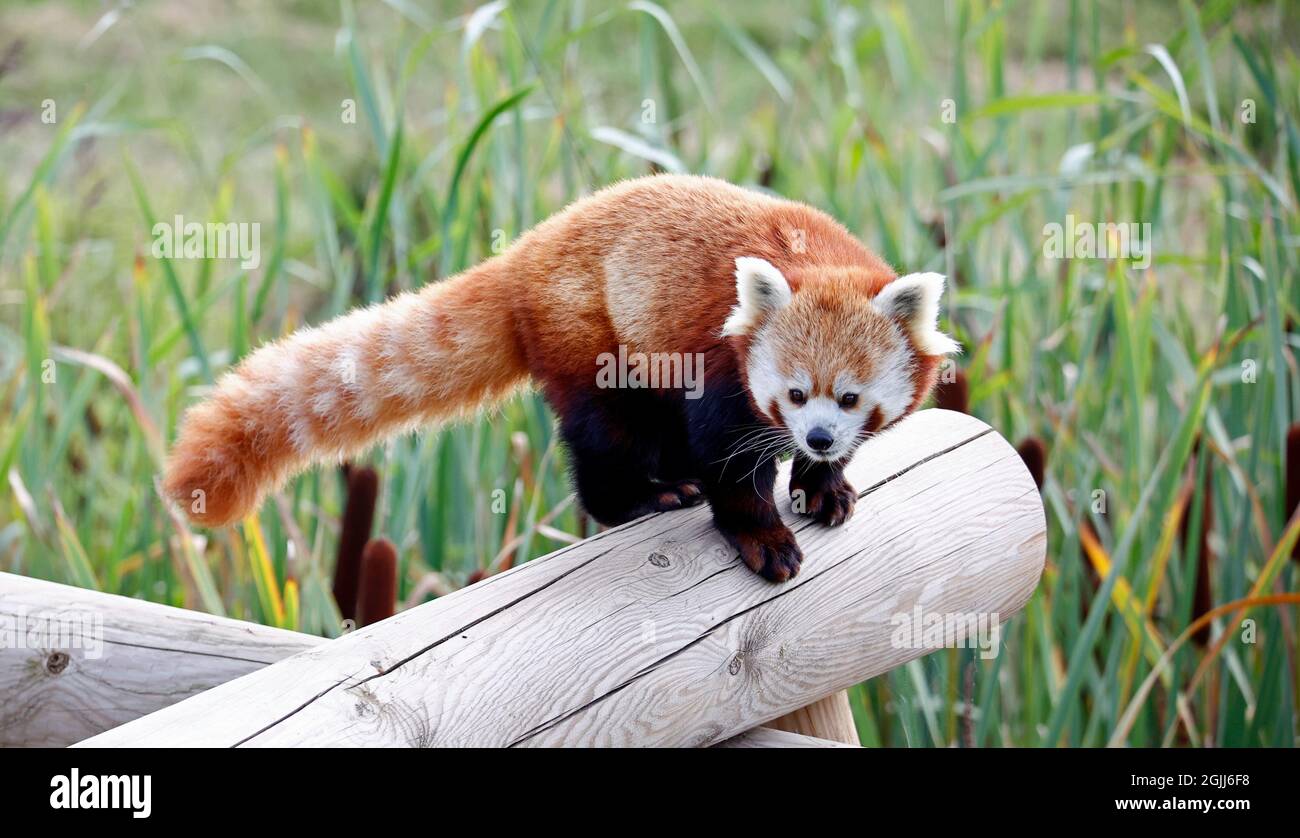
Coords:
808,341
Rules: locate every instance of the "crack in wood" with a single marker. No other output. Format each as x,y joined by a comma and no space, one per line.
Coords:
196,652
874,486
422,651
785,589
293,712
789,587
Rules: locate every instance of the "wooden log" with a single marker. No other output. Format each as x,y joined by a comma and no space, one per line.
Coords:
827,718
767,737
74,663
653,633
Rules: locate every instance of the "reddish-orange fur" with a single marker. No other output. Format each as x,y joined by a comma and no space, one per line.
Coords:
649,264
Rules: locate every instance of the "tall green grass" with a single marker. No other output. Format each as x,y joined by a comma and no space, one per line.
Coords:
469,129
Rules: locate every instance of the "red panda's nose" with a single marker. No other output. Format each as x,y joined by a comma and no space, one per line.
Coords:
820,439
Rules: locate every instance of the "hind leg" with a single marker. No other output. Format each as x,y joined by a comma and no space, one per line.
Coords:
613,497
619,465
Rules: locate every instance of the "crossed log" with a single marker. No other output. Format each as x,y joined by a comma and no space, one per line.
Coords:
649,634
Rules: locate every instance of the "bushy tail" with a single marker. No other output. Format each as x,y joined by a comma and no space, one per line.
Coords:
334,390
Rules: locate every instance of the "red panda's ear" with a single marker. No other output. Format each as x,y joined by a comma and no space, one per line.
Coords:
761,290
914,301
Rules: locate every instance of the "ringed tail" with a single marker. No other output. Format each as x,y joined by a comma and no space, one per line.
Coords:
334,390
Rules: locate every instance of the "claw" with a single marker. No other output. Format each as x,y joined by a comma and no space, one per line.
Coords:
831,503
771,552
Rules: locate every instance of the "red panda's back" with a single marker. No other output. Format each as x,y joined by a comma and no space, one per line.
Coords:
650,264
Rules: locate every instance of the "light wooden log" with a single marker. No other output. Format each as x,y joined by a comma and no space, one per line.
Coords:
111,659
767,737
653,633
827,718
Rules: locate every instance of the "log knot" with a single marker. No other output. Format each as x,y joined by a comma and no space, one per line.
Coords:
56,662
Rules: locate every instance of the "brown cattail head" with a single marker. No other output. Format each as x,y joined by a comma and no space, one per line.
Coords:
476,575
377,596
93,425
1032,450
1203,598
358,518
938,232
1293,480
953,394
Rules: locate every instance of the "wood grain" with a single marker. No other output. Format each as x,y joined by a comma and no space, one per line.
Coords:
133,658
826,718
767,737
653,633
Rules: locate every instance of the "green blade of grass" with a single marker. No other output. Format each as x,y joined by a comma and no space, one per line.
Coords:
169,272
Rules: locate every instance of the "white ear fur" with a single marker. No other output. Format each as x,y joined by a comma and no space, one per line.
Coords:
914,299
760,291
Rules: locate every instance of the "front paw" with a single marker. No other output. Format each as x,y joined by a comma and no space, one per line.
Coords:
771,552
830,503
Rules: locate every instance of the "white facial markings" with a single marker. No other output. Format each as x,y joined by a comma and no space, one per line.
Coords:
846,383
799,381
892,388
825,413
889,388
765,382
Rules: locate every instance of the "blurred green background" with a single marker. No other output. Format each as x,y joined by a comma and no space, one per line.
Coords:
946,135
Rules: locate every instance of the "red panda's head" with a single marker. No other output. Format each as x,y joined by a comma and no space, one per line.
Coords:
830,360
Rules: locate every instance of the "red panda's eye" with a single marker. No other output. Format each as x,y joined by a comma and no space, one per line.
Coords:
848,400
798,397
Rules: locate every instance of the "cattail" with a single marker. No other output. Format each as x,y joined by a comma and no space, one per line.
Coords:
954,394
377,595
93,425
1032,450
1293,480
1202,597
968,716
358,518
477,575
938,231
